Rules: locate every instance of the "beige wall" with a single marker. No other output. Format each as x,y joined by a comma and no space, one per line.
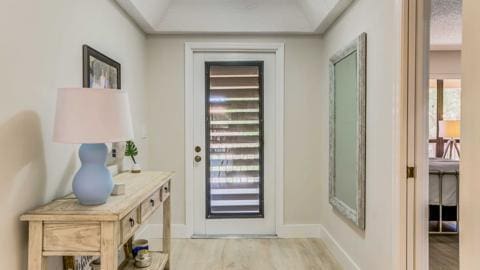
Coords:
41,50
469,186
445,64
373,248
304,104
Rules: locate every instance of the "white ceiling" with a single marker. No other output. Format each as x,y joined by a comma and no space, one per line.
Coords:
234,16
446,25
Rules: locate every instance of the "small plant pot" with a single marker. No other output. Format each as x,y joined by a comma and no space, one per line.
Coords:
136,168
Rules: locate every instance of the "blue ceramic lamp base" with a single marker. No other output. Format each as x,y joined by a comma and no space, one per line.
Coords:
93,184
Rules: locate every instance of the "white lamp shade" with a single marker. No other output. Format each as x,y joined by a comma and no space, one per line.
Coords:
449,128
88,115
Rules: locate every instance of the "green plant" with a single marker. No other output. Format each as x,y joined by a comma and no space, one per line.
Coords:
131,150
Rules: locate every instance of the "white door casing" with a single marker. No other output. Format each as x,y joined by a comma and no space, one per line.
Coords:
238,226
195,202
414,191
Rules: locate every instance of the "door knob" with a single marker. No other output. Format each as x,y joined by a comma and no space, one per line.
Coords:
198,158
198,149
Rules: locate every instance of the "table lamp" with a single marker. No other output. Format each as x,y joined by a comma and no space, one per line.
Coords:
450,129
92,117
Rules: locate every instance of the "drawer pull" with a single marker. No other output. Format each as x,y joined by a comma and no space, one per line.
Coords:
165,188
132,222
152,202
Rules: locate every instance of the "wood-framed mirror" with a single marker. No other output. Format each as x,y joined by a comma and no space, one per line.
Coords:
347,131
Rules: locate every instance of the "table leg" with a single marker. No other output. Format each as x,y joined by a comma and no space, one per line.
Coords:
127,249
166,230
108,249
36,261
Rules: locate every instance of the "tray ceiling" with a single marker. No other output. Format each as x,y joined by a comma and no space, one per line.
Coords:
234,16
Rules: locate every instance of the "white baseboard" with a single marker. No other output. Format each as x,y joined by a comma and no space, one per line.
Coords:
299,231
338,252
154,233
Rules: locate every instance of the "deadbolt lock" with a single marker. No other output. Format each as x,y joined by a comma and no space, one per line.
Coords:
198,158
198,149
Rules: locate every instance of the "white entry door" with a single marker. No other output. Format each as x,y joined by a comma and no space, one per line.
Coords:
234,139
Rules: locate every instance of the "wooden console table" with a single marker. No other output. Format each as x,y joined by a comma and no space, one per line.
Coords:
66,228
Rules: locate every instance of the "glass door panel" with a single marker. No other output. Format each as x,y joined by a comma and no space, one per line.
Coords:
234,139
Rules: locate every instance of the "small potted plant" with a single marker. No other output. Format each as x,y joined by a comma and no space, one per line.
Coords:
132,151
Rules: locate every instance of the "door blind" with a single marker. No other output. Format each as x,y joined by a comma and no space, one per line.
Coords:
234,139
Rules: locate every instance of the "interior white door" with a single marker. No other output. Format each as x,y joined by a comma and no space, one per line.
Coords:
234,139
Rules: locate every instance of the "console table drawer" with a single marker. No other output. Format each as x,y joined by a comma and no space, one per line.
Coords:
149,205
71,236
129,224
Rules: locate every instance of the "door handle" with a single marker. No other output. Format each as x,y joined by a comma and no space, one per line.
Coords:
198,159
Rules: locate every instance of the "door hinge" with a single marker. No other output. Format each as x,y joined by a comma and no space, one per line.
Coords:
410,172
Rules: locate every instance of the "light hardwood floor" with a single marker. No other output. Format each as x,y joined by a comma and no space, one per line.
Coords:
251,254
444,252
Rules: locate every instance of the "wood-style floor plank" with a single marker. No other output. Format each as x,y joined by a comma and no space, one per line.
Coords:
283,254
251,254
444,252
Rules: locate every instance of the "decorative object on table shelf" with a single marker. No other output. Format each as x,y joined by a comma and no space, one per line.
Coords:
132,151
95,265
450,129
92,117
138,245
143,259
69,263
78,263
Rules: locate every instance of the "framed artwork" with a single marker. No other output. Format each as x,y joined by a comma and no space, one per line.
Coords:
100,71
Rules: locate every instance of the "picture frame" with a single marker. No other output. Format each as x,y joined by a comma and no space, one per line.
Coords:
99,70
347,133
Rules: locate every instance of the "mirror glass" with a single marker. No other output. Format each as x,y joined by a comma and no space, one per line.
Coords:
345,129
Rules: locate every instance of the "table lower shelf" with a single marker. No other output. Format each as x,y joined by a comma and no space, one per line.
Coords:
159,260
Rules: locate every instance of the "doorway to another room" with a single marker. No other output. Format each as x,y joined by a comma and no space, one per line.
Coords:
444,119
432,72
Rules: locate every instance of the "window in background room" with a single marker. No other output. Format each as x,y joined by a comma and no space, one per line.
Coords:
451,99
443,104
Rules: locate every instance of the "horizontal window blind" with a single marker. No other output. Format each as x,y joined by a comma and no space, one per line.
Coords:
234,134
